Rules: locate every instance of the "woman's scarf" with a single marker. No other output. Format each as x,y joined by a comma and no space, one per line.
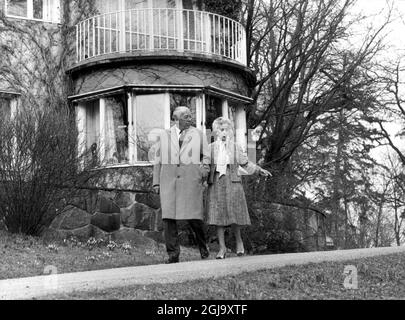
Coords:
223,158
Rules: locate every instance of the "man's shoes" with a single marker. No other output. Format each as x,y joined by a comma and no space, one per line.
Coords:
172,260
205,253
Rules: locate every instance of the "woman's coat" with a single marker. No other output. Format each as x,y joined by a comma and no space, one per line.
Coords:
238,158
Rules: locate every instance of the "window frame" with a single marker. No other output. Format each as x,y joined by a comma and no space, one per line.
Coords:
14,101
131,95
30,12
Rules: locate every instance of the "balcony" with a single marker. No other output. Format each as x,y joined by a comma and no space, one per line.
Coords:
161,32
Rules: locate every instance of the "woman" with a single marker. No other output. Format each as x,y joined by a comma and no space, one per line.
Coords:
226,199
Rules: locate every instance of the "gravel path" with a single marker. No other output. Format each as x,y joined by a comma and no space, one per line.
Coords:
28,288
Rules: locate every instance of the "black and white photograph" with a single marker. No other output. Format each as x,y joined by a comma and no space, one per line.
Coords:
202,154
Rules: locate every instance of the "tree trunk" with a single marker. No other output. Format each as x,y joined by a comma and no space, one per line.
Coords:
336,187
397,228
377,230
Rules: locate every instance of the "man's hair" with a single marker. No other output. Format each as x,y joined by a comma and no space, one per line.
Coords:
179,111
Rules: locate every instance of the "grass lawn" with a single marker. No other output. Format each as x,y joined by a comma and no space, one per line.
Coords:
380,277
23,256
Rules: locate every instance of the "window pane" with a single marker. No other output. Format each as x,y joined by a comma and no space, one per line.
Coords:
184,100
232,111
213,111
150,112
116,131
135,4
56,11
93,130
163,28
38,9
192,4
5,109
17,8
164,3
163,24
107,6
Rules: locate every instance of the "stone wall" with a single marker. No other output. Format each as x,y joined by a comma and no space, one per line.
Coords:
119,206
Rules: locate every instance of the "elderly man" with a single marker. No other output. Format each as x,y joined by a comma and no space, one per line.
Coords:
180,169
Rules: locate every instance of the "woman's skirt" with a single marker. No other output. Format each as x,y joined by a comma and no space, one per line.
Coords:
226,202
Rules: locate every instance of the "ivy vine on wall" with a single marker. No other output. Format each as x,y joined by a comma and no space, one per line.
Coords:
228,8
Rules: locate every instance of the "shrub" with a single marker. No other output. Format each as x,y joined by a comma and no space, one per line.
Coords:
275,228
39,168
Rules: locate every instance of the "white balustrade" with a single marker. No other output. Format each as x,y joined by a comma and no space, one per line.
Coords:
165,29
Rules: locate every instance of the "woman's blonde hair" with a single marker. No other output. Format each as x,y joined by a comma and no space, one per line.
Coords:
219,122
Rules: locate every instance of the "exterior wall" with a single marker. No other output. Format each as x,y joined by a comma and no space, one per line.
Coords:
31,56
164,73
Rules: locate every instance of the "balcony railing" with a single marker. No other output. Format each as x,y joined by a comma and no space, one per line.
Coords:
154,30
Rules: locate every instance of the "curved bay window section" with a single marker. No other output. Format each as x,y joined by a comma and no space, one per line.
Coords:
118,129
157,26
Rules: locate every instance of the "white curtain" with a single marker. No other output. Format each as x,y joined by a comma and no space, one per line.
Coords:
111,155
52,10
92,124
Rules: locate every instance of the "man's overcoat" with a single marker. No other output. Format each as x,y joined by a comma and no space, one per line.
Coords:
180,172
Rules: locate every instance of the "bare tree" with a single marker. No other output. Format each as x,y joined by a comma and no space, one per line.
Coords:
39,168
295,46
392,103
39,162
396,199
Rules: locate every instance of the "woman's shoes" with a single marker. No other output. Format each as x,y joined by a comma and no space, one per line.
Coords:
240,253
240,250
221,255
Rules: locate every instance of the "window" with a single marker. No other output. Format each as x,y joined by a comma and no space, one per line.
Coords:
213,110
8,105
149,114
91,130
92,124
5,109
43,10
108,6
185,100
118,129
8,111
17,8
